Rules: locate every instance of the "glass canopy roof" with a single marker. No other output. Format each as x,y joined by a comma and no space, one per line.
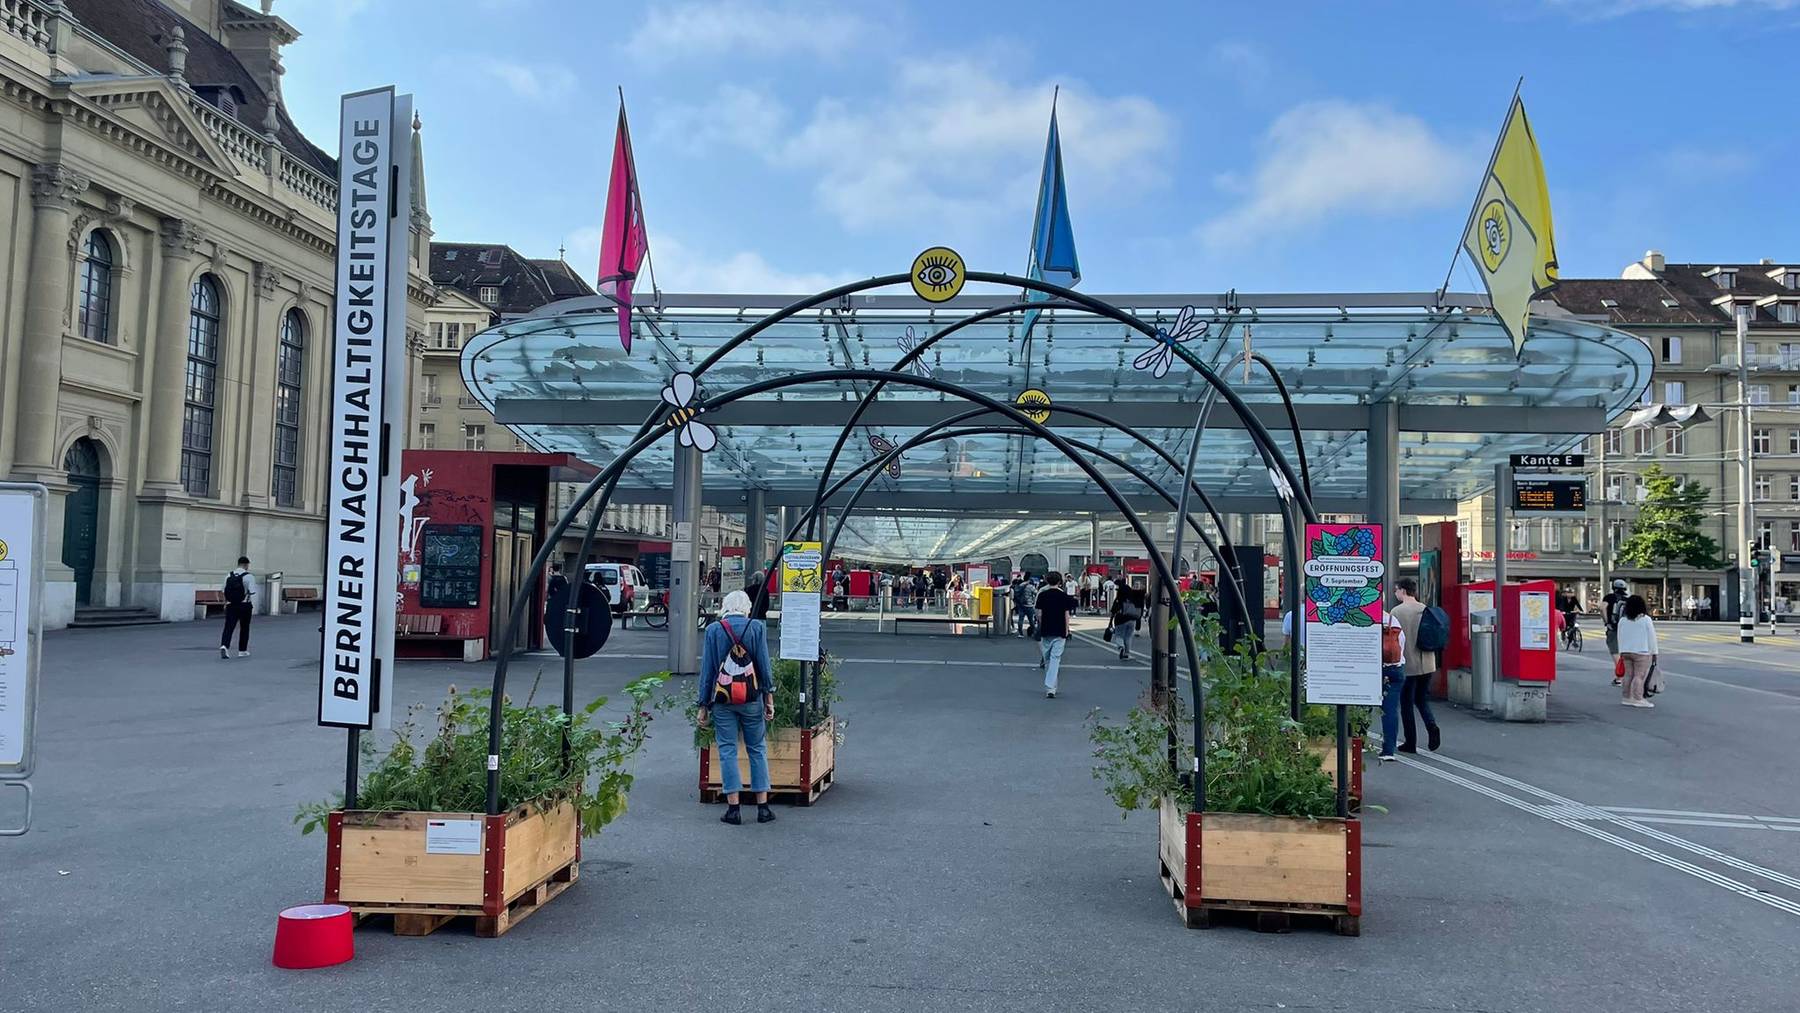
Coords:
1331,350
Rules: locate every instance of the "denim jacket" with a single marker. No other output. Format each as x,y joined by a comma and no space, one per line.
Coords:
717,644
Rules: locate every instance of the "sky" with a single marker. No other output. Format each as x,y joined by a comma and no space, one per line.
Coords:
788,145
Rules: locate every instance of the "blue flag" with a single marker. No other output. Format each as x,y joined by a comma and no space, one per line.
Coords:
1052,235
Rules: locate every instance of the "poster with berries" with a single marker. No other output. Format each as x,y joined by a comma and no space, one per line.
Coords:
1345,584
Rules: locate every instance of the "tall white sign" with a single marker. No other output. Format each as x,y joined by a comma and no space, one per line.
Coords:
21,581
367,409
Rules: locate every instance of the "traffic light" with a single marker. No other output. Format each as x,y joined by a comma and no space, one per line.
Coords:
1756,558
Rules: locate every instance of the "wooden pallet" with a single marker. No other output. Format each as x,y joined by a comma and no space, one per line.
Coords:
790,797
424,920
1262,917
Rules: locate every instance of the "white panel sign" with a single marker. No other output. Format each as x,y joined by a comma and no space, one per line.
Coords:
361,549
1534,620
453,837
21,584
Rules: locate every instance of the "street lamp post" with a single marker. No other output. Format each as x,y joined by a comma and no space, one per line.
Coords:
1747,589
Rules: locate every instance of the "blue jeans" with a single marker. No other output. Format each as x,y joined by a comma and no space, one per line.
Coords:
1393,681
1024,618
728,720
1122,634
1050,652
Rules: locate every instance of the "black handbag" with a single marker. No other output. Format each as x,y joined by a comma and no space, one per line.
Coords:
1106,634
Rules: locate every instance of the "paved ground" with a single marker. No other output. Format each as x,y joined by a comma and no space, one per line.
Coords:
965,859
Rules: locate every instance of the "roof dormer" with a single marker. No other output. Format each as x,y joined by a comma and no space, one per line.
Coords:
1724,277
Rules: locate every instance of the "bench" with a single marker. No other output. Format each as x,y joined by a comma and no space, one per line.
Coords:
206,601
426,638
301,597
413,626
987,627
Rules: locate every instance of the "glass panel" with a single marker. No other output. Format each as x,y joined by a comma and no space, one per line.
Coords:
96,288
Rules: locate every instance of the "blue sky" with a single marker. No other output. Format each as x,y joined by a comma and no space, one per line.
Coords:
785,145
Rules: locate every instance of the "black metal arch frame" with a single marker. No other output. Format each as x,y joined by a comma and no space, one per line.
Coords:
1290,486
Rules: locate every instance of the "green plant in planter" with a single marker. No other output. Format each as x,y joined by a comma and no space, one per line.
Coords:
787,700
448,772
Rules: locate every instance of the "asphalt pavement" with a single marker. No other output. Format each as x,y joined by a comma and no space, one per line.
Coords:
1609,859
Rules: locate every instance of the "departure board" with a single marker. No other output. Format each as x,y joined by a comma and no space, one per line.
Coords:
1550,495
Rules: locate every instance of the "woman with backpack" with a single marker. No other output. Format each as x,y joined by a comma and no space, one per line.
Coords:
1127,615
737,695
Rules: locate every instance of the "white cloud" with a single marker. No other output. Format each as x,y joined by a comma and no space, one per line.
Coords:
535,82
682,268
1323,159
1245,63
737,117
1620,8
1689,164
692,30
946,141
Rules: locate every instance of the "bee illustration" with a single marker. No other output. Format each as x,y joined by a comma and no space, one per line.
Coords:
908,342
1158,359
680,392
881,445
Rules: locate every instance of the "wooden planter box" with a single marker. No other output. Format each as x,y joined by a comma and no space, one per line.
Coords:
377,863
801,764
1326,751
1271,865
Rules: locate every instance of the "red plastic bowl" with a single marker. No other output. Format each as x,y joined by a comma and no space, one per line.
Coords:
314,935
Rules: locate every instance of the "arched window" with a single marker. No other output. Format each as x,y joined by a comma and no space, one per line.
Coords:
202,385
96,287
289,375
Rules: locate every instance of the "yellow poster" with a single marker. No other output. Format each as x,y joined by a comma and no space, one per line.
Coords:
802,567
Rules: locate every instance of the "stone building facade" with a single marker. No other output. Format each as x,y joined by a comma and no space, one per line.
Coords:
168,265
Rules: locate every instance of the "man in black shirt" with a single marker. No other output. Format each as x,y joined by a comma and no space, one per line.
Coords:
1054,606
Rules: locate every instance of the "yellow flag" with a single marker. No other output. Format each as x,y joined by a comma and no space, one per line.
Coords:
1510,238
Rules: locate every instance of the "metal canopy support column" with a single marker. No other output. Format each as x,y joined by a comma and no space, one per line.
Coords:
684,564
1384,482
1093,539
756,532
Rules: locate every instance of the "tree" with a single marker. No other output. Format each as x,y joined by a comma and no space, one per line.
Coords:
1667,529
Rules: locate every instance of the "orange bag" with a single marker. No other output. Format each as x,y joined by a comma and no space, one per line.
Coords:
1619,667
1390,646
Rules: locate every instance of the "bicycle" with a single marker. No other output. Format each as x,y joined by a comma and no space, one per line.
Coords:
1571,638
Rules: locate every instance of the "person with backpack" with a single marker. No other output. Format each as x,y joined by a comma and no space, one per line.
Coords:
1024,599
1393,683
240,605
737,695
1612,609
1054,606
1425,635
1127,616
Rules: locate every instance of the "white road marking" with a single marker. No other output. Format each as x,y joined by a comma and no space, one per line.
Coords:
925,661
1592,813
1699,815
1703,874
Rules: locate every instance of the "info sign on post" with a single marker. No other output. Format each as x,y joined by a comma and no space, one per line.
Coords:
367,408
21,624
1344,592
802,575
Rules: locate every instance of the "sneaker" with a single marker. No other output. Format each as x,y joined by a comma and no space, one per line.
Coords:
1616,682
1410,747
1387,758
764,815
243,654
1432,738
1642,703
223,652
1124,655
1050,694
731,816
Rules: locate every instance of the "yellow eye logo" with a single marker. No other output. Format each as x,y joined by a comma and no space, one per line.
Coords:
1034,404
1496,235
2,550
937,274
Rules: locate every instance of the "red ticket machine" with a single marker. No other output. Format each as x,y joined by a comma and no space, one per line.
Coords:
1527,626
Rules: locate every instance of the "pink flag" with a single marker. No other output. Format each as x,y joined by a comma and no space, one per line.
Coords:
622,239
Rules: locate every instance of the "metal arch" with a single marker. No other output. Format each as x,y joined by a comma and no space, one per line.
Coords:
843,511
610,474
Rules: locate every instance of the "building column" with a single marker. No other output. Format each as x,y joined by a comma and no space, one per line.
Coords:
756,531
1093,539
54,189
162,579
1383,478
684,564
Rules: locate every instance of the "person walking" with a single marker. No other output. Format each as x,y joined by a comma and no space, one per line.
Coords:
1689,607
1054,607
1393,683
1126,616
240,605
1637,647
737,696
1421,665
1024,601
1612,609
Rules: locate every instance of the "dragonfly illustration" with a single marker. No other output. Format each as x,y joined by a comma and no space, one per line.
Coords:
680,392
881,445
907,343
1158,359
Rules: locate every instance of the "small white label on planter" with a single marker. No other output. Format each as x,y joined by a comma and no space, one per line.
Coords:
453,837
493,762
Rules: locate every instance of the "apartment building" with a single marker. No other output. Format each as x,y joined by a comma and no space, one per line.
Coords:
1686,314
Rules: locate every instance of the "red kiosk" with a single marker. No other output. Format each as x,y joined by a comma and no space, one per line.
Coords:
471,521
1527,626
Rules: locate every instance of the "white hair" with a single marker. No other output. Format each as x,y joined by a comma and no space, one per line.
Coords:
737,603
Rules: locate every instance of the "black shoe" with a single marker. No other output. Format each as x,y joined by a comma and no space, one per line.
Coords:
1050,694
1124,655
731,816
764,815
1410,747
1433,739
